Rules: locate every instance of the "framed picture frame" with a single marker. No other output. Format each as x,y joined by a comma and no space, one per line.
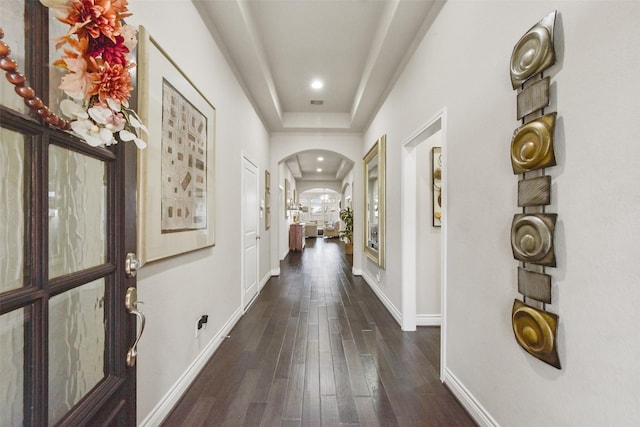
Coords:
176,172
267,200
436,174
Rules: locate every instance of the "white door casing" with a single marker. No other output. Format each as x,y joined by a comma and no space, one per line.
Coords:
409,244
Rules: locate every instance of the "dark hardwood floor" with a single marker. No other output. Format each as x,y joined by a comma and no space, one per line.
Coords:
317,348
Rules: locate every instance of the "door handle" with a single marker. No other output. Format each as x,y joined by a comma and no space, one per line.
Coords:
131,303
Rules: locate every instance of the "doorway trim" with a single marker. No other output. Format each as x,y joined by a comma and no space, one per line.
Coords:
409,194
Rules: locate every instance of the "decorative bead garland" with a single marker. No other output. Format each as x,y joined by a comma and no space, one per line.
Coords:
25,91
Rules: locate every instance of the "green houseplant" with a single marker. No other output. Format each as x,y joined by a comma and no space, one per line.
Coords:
346,215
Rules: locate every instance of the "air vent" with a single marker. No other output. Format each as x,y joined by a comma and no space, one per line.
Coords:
317,102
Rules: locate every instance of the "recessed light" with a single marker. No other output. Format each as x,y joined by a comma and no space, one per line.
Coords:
318,170
317,84
320,159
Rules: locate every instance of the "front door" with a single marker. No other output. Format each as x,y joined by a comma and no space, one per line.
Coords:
67,221
250,231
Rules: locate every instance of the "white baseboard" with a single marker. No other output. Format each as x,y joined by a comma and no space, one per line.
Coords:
264,281
169,400
382,297
428,320
471,404
356,271
275,271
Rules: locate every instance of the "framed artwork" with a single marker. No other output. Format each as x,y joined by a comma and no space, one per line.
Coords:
176,171
267,200
436,168
287,198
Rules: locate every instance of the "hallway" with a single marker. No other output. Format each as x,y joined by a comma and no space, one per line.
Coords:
317,348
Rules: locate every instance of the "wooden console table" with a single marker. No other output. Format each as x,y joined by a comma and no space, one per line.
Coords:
296,237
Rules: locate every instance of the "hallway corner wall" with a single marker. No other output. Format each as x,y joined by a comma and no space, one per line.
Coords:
462,65
178,290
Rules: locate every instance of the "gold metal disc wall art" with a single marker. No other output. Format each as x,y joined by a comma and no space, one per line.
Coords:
532,238
532,145
534,52
536,332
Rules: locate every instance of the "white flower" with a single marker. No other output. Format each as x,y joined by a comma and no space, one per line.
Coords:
93,134
59,7
125,135
55,3
130,33
73,109
114,122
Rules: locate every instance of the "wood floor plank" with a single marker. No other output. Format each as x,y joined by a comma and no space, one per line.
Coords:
327,382
346,406
366,413
295,392
240,404
359,385
272,416
318,348
329,411
311,404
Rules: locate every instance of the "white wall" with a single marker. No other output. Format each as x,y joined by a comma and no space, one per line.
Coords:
177,291
462,64
429,245
348,145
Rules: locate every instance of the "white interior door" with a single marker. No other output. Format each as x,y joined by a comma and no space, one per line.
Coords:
250,235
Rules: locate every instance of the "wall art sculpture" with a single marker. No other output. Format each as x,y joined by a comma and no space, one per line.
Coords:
532,145
536,332
436,165
533,230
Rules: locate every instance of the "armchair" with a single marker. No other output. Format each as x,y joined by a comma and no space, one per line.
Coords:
331,231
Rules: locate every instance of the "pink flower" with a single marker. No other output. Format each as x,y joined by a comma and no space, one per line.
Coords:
78,83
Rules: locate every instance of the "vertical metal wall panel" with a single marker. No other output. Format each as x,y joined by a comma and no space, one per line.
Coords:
534,191
534,285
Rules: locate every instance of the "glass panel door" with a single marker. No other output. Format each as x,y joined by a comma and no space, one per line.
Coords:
65,229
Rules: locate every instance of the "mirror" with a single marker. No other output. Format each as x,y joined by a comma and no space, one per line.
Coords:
374,201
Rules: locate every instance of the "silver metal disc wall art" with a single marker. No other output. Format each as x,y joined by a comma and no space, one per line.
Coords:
534,52
536,331
532,145
532,238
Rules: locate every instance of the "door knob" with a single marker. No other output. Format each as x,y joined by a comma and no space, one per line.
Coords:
131,265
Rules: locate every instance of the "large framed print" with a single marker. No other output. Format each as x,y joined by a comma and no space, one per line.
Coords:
176,171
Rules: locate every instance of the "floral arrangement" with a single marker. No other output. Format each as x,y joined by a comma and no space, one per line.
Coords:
97,58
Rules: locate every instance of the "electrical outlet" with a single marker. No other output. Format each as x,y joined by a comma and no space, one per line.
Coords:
201,323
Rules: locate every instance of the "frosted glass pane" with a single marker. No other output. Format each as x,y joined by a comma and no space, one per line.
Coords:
77,212
12,368
11,210
56,29
12,13
76,346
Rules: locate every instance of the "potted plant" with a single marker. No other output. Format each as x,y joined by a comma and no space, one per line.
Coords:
346,215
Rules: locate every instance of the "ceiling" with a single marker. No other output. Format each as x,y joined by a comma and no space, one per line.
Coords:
356,47
307,166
